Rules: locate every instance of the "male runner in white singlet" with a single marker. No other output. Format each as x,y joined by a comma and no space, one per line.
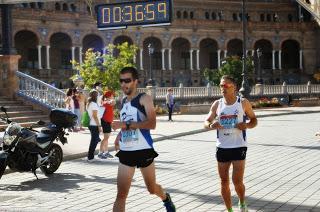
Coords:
228,116
137,117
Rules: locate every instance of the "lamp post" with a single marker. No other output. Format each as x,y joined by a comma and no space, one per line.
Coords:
245,89
259,54
150,51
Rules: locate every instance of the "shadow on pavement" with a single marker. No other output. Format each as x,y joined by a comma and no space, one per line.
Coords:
253,203
59,182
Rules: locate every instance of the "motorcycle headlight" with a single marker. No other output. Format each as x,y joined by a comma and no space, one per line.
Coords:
13,129
8,139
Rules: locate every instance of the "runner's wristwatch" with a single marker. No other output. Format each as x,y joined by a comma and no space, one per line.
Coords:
128,123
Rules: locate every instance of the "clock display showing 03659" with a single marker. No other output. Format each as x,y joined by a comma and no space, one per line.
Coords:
121,15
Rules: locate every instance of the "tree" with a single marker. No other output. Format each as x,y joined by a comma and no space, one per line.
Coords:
105,68
231,66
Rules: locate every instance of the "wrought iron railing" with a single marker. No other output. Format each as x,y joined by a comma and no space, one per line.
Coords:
40,92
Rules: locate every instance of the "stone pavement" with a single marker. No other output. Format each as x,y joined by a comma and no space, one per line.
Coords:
282,173
78,143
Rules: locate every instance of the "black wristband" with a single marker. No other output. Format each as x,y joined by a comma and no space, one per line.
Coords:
128,123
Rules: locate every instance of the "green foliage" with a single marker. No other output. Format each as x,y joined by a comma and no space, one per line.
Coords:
233,67
106,68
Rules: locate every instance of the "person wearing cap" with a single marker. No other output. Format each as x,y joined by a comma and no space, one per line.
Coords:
107,102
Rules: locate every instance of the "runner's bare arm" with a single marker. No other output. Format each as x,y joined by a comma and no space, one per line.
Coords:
246,105
209,122
150,122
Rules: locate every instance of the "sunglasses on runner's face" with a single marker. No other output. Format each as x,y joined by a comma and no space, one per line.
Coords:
126,80
226,85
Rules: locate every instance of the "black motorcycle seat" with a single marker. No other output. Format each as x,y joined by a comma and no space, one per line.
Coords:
49,130
43,138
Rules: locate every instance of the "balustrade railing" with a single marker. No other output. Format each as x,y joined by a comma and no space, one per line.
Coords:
214,91
52,97
39,91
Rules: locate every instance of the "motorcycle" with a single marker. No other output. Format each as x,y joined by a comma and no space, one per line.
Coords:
26,149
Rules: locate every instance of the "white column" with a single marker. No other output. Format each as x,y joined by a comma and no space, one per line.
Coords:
273,60
163,59
169,57
72,55
80,55
252,53
225,53
104,50
247,52
280,60
48,57
39,57
219,62
198,59
191,59
301,59
141,59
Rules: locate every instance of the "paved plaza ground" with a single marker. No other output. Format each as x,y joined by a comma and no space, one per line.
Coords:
282,174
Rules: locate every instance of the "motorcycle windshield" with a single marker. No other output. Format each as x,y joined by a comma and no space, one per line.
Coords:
1,138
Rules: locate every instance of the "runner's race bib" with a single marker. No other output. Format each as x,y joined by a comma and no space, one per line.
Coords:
228,121
129,137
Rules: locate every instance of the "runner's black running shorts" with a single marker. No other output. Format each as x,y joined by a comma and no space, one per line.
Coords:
232,154
139,158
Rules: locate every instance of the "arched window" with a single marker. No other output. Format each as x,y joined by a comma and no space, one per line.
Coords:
262,17
25,5
178,14
290,18
268,17
33,5
240,16
65,7
73,8
207,15
234,16
40,5
57,6
185,14
213,16
191,15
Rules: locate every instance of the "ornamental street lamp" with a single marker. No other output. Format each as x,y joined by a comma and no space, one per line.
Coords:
259,54
150,51
245,89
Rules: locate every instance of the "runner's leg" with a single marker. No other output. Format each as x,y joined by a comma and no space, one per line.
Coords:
223,169
125,175
149,177
237,178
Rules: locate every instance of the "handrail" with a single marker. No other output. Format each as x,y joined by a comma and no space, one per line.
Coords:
40,92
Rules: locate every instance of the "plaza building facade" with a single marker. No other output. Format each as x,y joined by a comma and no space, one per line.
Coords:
202,34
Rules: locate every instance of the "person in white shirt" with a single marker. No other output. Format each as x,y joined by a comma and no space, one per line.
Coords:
228,116
94,126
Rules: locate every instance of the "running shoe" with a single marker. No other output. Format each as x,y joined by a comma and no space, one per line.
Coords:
107,155
243,207
101,155
169,204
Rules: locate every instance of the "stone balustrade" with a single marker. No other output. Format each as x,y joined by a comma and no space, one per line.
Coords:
181,92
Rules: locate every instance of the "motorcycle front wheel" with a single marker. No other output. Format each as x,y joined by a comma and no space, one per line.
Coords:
54,161
3,165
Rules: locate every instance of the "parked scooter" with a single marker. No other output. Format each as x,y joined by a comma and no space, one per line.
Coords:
26,149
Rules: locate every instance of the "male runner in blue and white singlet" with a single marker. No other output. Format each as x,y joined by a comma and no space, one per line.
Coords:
228,116
137,117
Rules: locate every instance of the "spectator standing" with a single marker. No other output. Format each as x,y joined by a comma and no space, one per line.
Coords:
170,103
94,126
108,103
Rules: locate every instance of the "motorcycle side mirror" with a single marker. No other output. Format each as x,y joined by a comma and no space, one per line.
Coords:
40,122
3,109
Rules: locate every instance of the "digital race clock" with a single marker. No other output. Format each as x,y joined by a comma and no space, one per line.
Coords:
121,15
